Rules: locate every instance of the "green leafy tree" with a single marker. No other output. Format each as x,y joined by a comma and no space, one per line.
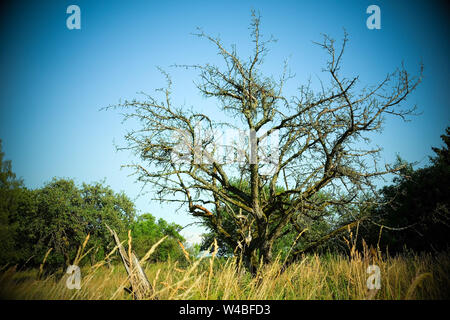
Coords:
415,213
146,231
10,192
56,220
60,215
100,205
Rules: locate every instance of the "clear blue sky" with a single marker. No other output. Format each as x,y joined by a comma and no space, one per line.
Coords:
55,80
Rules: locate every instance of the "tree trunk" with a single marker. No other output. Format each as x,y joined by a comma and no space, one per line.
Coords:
266,252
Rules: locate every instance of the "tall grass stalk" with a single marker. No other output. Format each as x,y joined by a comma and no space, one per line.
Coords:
313,276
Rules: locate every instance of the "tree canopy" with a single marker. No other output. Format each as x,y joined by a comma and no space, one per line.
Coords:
61,214
10,193
415,210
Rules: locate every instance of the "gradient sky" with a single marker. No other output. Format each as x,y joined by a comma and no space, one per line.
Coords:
55,80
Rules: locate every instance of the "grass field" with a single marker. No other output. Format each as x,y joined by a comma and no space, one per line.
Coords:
329,276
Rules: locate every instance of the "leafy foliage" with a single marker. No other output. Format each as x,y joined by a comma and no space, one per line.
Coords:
147,231
60,215
10,192
418,204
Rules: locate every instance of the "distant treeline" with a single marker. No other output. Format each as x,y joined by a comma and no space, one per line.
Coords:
61,214
416,209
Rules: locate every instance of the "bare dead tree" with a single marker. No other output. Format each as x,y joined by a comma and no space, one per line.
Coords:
320,146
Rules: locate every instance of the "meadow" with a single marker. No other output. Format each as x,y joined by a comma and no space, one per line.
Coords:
318,277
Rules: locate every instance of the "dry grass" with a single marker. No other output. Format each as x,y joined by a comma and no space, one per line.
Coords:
331,276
